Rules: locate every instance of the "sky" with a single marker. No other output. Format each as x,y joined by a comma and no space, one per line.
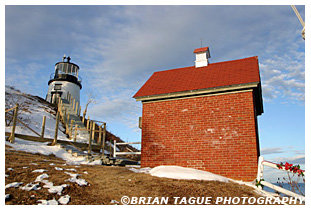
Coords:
119,47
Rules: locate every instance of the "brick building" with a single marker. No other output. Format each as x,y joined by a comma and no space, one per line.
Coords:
203,117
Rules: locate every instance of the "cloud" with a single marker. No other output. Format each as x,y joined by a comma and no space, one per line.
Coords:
298,159
117,109
273,150
283,77
27,78
119,47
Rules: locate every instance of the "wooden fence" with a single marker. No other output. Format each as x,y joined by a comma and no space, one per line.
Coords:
15,120
69,130
261,164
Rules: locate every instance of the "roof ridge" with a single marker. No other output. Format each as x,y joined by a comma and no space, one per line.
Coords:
221,62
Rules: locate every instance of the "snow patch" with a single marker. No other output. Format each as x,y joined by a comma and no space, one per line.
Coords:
71,169
64,199
114,201
48,202
52,188
31,186
44,149
96,162
39,171
7,197
178,172
58,169
140,170
41,177
74,178
14,184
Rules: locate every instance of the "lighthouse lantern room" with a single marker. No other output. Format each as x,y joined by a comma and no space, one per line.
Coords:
64,82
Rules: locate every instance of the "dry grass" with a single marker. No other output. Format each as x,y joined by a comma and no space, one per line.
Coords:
105,183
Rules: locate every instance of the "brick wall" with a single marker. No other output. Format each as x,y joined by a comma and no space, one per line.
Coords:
213,133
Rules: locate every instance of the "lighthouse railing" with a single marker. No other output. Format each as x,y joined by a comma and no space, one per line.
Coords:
70,77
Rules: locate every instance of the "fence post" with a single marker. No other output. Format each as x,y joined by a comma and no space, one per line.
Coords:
93,130
104,139
114,148
12,137
73,104
67,124
70,129
260,170
76,132
100,135
90,139
77,107
88,122
56,129
43,126
65,116
83,118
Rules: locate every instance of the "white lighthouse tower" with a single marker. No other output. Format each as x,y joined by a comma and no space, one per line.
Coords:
64,82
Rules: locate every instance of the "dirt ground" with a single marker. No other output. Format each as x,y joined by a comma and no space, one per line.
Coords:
106,184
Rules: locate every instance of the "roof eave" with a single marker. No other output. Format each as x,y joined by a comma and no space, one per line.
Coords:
197,92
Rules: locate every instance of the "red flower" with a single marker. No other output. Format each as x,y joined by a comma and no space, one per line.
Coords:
280,166
288,166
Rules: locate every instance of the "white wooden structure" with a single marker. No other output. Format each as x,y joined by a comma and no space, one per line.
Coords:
115,153
261,164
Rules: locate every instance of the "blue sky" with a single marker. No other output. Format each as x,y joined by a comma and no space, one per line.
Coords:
119,47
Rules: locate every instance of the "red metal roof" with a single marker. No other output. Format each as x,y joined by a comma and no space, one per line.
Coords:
220,74
202,49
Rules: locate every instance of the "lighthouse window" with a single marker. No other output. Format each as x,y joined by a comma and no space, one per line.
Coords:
69,68
61,68
73,70
57,87
65,68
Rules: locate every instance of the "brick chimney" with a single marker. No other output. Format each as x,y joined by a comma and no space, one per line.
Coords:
202,55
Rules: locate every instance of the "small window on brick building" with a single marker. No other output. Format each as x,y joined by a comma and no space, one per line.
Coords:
57,87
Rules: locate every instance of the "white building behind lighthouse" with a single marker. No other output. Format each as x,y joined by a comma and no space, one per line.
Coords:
64,82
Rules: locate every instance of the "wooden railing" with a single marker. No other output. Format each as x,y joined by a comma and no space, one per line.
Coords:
60,115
